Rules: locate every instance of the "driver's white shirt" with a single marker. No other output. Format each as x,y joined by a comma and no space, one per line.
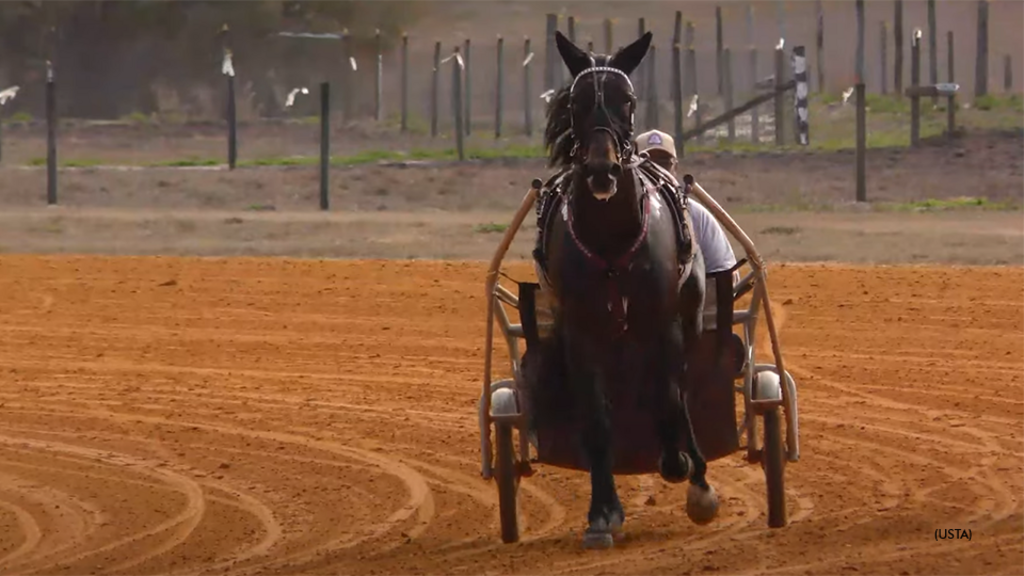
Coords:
714,244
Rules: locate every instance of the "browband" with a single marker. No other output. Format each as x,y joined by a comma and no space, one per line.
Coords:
595,69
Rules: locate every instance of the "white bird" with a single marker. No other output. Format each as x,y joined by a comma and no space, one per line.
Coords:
782,42
528,58
8,94
352,62
693,106
291,96
226,67
847,94
547,95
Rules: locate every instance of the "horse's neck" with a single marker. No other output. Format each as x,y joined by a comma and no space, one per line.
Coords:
607,228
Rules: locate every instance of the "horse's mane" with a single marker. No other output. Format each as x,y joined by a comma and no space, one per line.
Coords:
558,133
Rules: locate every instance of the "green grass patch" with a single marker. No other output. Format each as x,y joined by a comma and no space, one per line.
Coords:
934,205
490,228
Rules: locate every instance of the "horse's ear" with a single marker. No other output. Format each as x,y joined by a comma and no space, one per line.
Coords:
628,58
575,59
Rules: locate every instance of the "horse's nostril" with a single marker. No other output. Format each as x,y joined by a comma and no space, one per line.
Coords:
616,170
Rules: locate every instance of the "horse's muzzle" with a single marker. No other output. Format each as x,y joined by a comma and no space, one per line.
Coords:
602,178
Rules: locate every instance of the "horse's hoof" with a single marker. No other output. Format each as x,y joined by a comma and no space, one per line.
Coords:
701,504
675,472
598,540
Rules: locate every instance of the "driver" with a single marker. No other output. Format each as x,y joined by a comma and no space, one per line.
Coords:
718,254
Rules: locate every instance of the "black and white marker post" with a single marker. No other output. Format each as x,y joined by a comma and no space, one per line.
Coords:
800,95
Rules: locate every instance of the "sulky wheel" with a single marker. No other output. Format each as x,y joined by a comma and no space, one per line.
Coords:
507,475
773,460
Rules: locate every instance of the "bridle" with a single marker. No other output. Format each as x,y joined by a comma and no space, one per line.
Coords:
623,144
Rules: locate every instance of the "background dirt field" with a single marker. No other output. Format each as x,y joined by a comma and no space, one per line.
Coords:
243,416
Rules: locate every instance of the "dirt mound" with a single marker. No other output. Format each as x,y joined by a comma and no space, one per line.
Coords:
166,415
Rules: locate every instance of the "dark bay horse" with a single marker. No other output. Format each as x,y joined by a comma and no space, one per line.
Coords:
627,282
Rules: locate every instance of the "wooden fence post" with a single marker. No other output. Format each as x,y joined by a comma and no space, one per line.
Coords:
933,49
690,88
641,71
499,91
718,49
435,89
609,45
51,135
820,49
677,78
897,40
527,99
652,89
378,79
780,78
951,100
859,68
727,89
884,45
862,131
325,145
915,82
405,82
467,115
457,107
228,69
348,78
571,29
981,62
1007,73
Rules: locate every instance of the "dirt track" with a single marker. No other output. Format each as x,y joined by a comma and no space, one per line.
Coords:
166,415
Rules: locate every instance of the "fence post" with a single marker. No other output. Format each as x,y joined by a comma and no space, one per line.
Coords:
51,135
550,50
652,89
228,69
467,116
457,102
933,49
435,87
677,92
325,144
690,88
378,79
640,81
915,81
862,152
859,68
347,78
499,94
608,45
800,94
780,113
884,45
405,82
897,40
727,89
527,100
755,112
981,63
718,49
820,49
951,100
571,30
1007,73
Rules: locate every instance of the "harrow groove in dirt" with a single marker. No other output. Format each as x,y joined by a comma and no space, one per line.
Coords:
280,416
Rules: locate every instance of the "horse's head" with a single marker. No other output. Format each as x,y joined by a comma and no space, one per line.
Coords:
601,108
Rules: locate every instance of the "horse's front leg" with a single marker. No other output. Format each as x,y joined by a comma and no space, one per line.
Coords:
606,516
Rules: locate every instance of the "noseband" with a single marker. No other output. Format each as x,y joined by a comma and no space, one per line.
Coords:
625,147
